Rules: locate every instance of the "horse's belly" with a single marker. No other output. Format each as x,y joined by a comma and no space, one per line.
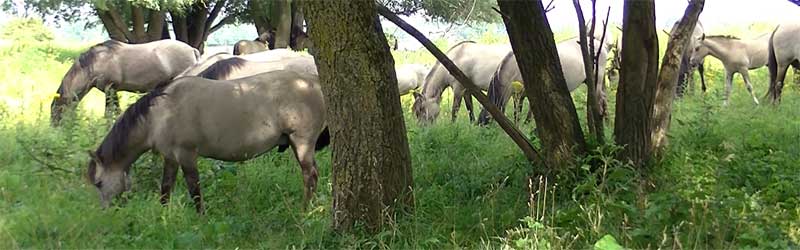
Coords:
240,150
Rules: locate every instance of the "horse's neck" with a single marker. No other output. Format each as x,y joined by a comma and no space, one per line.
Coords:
436,83
717,48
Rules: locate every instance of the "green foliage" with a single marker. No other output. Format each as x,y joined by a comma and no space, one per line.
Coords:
728,180
457,11
26,30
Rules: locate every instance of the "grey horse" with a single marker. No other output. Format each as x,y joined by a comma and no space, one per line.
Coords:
783,51
191,117
410,77
477,61
234,68
737,55
569,54
112,66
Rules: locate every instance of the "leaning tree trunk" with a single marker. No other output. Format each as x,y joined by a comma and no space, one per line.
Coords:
668,77
371,159
553,109
637,81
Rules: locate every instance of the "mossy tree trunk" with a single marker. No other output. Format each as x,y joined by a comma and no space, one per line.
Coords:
371,159
534,46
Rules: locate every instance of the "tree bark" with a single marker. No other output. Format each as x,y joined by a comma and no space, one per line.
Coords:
668,76
113,31
638,81
371,159
283,22
156,26
510,129
553,109
137,16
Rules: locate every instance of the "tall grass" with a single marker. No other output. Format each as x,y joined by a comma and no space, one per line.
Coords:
728,180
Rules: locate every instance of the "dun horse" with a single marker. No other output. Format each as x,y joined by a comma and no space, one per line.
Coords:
686,69
477,61
507,72
280,108
264,56
112,66
410,77
261,43
234,68
783,51
737,55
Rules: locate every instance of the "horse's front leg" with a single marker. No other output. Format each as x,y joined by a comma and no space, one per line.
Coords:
112,101
168,179
468,103
746,77
456,104
188,163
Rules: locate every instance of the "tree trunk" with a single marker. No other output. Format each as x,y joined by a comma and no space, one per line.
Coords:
114,32
553,109
668,77
371,159
283,22
156,26
637,81
137,16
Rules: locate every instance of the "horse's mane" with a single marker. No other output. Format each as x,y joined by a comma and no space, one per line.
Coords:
728,37
115,143
89,57
222,68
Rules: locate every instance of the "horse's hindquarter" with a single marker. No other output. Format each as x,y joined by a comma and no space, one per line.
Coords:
787,43
479,62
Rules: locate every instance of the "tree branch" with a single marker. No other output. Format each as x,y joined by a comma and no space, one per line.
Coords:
530,153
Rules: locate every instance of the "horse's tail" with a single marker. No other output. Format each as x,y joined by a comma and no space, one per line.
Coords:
772,65
497,92
323,140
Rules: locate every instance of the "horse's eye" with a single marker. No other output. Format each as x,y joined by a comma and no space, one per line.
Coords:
99,184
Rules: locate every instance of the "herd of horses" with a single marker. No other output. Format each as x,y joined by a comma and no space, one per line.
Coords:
237,107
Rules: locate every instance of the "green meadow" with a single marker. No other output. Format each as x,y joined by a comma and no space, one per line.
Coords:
729,180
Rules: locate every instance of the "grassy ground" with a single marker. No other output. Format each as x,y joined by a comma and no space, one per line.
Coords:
728,180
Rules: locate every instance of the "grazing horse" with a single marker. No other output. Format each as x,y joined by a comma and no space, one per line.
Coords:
410,77
112,66
783,51
261,43
569,53
477,61
234,68
177,122
737,55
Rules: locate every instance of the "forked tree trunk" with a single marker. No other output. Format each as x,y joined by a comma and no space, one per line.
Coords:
668,76
594,108
553,109
371,160
637,81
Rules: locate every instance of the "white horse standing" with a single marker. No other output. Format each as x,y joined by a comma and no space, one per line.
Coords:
737,55
410,77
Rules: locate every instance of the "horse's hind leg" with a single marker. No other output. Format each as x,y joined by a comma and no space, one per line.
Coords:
168,179
192,178
468,103
112,102
778,86
456,105
746,77
304,153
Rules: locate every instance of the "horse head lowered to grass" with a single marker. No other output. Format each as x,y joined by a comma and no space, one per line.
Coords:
279,108
112,66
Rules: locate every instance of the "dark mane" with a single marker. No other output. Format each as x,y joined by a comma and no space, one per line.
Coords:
222,68
89,57
729,37
115,143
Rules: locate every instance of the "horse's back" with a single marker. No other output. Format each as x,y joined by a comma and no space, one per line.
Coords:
239,119
479,61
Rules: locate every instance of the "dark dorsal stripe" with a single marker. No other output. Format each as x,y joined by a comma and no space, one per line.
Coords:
222,68
115,144
729,37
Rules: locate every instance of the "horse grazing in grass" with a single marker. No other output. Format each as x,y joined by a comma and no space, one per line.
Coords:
737,55
783,51
477,61
112,66
247,117
410,77
569,53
